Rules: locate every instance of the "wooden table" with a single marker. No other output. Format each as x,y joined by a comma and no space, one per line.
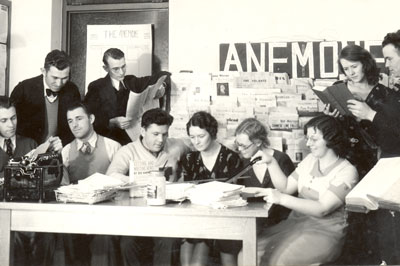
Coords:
127,216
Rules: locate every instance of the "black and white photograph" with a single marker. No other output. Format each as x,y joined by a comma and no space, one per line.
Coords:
222,89
199,132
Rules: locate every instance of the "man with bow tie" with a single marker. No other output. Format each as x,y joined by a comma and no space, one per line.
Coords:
42,101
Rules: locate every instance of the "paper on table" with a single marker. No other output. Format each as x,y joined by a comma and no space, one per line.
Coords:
138,103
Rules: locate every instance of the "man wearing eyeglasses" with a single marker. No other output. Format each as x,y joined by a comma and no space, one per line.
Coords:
108,96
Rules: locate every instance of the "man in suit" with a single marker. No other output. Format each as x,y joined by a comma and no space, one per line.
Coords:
29,247
108,97
42,101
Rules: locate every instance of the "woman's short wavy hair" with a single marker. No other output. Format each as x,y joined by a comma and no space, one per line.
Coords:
205,121
358,54
332,133
255,130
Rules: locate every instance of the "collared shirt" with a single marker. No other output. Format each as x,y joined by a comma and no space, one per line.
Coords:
115,83
111,147
4,146
51,98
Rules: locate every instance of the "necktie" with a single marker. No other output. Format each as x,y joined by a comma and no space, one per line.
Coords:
9,149
121,86
50,92
86,148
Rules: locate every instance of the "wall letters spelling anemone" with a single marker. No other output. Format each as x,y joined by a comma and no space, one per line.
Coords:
298,59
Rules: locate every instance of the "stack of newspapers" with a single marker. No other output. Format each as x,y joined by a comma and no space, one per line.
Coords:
95,188
218,195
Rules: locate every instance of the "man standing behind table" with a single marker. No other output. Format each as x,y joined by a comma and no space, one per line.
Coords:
108,96
152,148
387,122
42,101
87,154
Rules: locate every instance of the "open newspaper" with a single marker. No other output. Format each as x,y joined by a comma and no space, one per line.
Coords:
138,103
380,188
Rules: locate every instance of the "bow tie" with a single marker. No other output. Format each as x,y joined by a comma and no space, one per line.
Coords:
50,92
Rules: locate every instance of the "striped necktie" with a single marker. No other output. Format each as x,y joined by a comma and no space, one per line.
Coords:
9,149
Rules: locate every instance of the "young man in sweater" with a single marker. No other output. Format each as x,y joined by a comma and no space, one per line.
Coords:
153,149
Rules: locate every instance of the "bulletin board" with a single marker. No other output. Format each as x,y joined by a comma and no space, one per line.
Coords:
77,17
5,26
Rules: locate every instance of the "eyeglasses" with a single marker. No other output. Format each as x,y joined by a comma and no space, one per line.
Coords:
243,147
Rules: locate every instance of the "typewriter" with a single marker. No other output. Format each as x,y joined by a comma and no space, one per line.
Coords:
32,179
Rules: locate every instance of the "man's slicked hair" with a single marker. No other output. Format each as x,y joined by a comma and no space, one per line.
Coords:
114,53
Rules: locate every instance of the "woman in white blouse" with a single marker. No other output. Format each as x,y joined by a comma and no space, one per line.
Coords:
315,230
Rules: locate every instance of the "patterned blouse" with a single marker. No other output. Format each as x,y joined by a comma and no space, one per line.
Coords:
362,136
228,163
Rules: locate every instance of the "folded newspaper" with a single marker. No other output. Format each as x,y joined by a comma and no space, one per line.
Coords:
93,189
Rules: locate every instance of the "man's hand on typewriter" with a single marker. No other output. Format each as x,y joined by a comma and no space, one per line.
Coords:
55,144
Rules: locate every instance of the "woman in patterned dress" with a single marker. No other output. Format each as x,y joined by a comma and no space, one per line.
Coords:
211,160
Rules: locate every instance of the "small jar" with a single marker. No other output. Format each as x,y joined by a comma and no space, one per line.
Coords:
156,188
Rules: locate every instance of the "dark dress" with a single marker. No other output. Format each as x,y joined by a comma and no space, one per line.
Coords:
363,135
228,163
277,213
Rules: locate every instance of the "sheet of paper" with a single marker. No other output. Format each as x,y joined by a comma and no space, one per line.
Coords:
377,182
138,103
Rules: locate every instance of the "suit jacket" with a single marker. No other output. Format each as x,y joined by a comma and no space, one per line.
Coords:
23,146
101,99
29,100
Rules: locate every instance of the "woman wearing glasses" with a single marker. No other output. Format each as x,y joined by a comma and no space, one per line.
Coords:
211,160
251,137
315,229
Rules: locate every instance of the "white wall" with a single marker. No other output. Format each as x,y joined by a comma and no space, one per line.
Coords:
197,27
30,38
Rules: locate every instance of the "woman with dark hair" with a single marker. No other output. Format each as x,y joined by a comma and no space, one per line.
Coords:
362,79
252,136
315,229
211,160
